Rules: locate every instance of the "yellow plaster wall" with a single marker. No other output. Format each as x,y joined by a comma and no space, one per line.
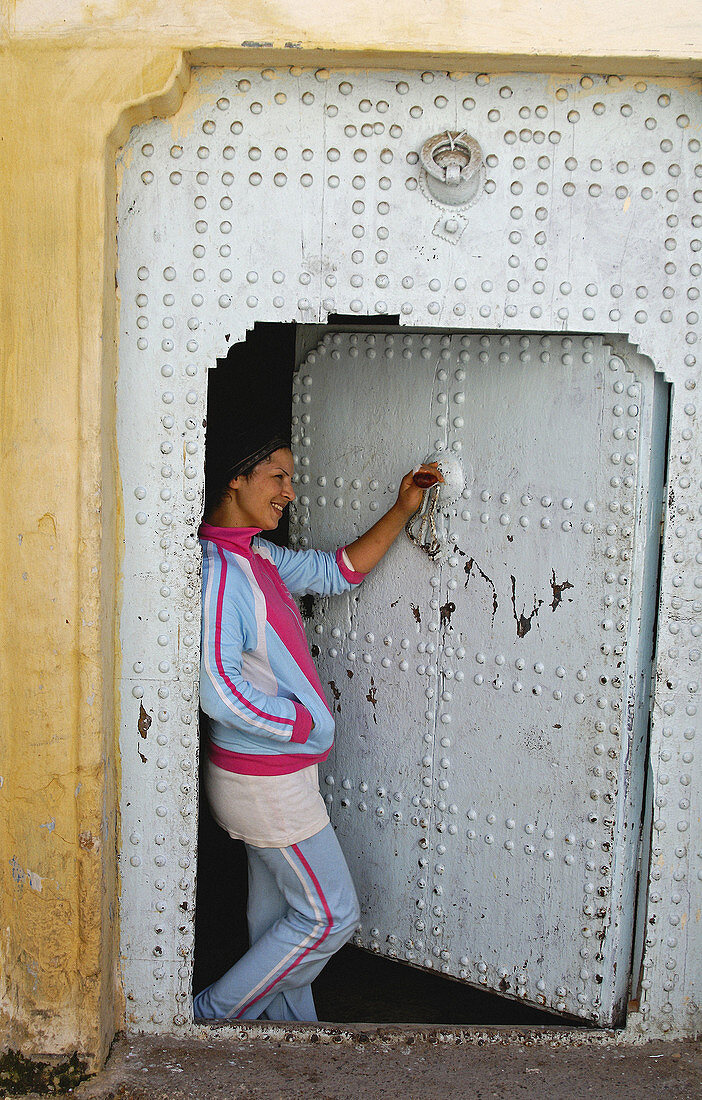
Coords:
73,77
57,805
604,35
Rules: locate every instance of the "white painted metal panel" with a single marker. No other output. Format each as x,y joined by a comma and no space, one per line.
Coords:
365,641
481,769
288,194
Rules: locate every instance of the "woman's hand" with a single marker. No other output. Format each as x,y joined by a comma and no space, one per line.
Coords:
367,550
410,495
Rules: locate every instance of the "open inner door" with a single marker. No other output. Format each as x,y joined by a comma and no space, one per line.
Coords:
491,707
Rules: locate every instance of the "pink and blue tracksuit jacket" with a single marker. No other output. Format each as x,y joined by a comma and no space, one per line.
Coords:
258,683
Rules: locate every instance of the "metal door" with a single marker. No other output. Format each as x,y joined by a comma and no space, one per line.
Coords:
292,195
491,709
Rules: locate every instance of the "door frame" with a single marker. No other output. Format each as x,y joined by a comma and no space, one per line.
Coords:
157,1021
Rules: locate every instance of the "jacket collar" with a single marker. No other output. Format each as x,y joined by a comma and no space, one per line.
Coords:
236,539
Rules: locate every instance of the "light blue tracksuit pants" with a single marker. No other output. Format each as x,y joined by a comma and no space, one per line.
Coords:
302,908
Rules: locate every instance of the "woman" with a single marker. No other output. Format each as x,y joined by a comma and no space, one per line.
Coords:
270,725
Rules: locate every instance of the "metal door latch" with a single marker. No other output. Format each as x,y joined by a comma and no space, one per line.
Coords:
421,527
452,168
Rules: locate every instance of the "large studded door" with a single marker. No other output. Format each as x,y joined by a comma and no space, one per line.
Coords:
491,708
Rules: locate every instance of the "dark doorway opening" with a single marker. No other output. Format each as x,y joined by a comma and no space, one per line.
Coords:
356,985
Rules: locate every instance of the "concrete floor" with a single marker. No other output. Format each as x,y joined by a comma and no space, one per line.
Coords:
396,1063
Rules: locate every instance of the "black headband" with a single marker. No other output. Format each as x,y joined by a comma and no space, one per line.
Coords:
246,465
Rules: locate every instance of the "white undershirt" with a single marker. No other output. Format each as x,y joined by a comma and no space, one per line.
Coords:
266,811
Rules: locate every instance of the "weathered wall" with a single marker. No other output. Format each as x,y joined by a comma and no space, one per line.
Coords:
57,806
624,36
72,79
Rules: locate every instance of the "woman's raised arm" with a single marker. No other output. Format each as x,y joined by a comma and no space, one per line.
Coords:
366,551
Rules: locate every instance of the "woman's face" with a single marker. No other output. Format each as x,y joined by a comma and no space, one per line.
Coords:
261,497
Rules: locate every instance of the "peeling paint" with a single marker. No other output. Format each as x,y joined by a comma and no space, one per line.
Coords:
144,721
35,880
445,612
523,621
17,872
337,695
49,825
468,569
558,590
417,613
372,698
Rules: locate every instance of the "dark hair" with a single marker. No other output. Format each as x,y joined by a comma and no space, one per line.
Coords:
248,410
